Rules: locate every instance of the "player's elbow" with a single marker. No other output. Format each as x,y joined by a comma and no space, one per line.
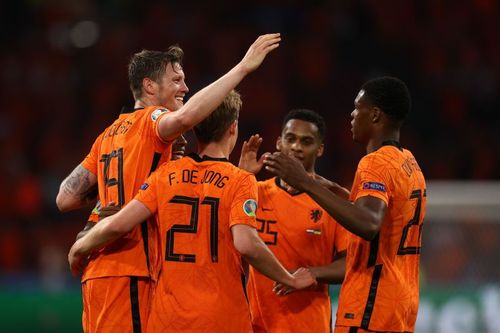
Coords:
370,230
245,240
63,202
246,248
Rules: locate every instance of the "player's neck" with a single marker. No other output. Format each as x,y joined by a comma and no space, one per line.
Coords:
377,140
213,149
145,102
141,103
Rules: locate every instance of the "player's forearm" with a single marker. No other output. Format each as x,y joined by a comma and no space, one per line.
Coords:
263,260
201,104
332,273
85,230
357,220
101,234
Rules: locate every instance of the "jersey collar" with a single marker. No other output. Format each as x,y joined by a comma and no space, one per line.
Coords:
278,184
128,109
198,158
392,143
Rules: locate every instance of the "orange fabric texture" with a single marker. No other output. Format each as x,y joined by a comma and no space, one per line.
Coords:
107,304
195,202
344,329
381,288
122,157
300,234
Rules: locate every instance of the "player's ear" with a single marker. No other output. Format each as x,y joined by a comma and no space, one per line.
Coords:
321,149
149,86
233,128
278,143
376,114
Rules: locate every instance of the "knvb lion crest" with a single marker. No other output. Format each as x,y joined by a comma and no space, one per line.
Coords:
316,215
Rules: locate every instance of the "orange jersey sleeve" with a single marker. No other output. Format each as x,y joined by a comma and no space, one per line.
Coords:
122,157
157,115
300,234
200,286
91,161
371,179
381,287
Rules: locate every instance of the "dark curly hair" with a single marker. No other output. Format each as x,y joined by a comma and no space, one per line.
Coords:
391,95
309,116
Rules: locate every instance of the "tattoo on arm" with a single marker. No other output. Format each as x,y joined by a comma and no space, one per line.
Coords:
81,183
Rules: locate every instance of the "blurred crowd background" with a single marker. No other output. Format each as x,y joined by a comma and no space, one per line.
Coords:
64,79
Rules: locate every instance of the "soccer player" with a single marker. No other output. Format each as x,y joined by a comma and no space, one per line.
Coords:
381,286
116,284
297,231
204,208
99,212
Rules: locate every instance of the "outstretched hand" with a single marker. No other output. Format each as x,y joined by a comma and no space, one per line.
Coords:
258,51
248,157
287,168
304,279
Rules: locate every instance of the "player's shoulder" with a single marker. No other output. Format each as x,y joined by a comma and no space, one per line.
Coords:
172,165
152,112
384,156
237,172
267,184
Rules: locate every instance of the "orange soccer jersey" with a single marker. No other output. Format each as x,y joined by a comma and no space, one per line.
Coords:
196,202
122,157
381,287
300,234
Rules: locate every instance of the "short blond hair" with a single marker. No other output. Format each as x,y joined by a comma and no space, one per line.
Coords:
212,129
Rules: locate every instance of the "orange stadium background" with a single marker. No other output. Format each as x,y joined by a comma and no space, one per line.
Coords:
63,80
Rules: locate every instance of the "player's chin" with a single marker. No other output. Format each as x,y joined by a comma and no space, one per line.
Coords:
176,156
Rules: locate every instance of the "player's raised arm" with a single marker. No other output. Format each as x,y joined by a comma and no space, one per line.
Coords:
248,157
206,100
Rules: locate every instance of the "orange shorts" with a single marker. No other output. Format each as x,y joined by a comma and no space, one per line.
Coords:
346,329
116,304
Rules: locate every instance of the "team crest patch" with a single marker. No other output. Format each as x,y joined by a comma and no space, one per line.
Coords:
249,207
144,186
374,186
156,113
316,215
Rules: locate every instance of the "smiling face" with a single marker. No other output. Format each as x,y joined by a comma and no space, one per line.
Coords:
171,87
301,140
361,124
